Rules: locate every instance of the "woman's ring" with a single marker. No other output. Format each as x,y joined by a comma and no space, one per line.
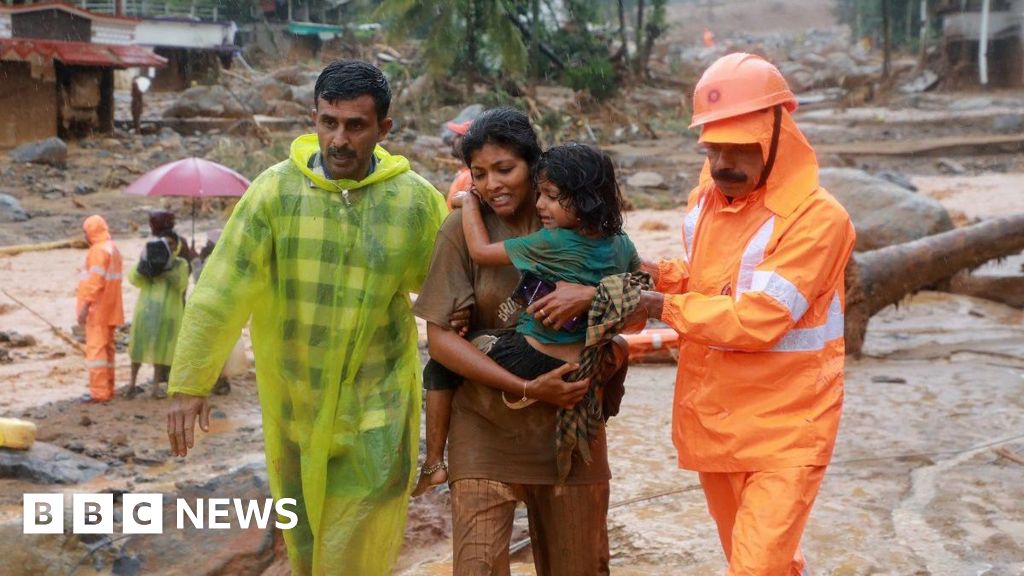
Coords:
543,313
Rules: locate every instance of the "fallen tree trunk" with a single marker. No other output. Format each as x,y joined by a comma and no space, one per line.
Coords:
882,277
56,244
1007,290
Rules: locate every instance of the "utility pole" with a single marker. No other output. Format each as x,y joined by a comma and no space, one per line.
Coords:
886,40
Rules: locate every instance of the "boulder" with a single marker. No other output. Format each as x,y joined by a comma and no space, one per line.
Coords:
206,101
52,151
11,210
646,180
270,89
882,212
303,94
287,109
48,464
294,76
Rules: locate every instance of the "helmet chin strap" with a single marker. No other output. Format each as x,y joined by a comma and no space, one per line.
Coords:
776,128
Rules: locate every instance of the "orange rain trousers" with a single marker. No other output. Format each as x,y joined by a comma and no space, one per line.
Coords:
99,358
761,517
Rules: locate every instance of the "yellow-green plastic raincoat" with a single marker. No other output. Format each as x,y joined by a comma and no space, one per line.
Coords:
325,269
158,313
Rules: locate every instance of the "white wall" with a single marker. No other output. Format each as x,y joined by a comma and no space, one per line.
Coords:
184,34
113,33
5,25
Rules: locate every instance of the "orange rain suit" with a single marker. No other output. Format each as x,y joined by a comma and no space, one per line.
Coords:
463,181
758,300
100,286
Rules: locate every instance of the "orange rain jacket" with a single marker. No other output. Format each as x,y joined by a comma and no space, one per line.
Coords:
758,300
100,280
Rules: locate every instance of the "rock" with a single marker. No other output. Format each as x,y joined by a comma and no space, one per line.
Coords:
1008,123
206,101
11,210
646,180
882,212
48,464
21,340
85,421
271,89
898,179
950,166
5,356
294,75
50,151
229,551
288,109
304,94
83,189
922,83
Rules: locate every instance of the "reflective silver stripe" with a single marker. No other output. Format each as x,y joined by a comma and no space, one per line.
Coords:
690,228
813,339
782,290
100,271
753,255
99,364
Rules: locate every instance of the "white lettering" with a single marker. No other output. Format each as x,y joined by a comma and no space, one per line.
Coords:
253,509
196,517
293,518
218,508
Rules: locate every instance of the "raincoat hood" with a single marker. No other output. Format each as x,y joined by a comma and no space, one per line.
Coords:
306,146
96,229
794,175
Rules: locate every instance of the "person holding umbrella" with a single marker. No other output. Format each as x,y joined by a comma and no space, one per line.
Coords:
322,252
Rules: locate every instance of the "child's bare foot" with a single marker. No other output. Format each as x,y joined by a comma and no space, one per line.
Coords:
430,476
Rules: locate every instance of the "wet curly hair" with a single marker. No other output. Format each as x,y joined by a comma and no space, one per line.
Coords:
585,178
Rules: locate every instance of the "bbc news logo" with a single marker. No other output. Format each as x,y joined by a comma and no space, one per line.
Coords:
144,513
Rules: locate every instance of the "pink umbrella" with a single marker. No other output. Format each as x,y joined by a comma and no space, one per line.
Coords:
193,177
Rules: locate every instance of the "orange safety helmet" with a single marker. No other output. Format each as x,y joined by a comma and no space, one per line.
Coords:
738,84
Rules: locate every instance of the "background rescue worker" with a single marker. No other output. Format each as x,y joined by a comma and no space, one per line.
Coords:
322,251
757,298
463,178
99,307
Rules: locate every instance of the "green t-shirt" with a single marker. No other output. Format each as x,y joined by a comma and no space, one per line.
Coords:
560,254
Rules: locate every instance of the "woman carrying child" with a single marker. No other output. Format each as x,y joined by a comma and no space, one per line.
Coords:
500,456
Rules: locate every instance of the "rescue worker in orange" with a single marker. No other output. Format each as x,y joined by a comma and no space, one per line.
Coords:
463,179
99,307
757,298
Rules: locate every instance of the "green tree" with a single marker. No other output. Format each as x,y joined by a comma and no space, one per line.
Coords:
471,39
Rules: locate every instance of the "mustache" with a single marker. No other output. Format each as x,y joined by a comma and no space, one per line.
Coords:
340,152
726,175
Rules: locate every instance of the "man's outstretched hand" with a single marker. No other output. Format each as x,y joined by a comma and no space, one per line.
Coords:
181,421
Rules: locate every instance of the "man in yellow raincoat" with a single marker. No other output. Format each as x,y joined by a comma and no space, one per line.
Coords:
157,317
757,297
322,251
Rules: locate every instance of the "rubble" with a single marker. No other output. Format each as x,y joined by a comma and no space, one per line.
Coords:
52,151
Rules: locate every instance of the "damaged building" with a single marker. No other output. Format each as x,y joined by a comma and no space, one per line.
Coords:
57,67
983,42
